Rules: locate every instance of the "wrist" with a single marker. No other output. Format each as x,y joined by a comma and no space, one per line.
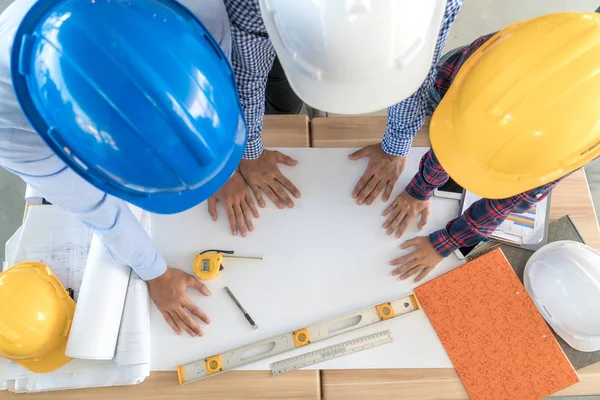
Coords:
443,243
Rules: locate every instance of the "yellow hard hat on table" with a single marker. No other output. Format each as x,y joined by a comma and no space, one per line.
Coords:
35,317
524,109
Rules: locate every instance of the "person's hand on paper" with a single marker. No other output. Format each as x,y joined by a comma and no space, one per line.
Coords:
418,262
402,211
263,175
168,293
381,174
238,203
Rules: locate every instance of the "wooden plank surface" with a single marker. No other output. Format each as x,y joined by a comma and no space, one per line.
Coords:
570,197
234,385
278,131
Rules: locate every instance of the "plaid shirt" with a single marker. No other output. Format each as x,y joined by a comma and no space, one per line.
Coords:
481,219
252,57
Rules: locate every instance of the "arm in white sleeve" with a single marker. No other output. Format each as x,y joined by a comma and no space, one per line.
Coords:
24,153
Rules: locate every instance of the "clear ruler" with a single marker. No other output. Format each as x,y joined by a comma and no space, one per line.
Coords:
233,359
331,352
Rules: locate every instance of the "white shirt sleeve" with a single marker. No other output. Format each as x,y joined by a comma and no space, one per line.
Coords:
24,153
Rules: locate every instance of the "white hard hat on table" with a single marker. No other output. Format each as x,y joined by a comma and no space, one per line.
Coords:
563,279
354,56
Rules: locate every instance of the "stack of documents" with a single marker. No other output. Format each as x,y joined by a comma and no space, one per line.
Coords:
110,334
528,229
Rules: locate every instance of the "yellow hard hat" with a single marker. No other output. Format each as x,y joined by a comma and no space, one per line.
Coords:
35,317
524,109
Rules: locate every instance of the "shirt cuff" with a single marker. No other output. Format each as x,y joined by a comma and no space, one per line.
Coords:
154,270
443,243
418,188
396,145
254,149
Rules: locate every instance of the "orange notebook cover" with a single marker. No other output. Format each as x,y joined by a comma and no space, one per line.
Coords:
497,340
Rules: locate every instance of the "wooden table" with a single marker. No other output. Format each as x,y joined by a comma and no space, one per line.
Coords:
278,131
570,197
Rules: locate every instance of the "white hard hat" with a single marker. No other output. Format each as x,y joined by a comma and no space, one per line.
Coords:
354,56
563,279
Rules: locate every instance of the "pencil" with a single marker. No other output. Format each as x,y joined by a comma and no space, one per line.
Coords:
237,303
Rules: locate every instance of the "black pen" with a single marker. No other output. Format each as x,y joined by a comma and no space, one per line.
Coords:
237,303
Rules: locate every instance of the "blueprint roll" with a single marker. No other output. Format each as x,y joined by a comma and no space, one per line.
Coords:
97,319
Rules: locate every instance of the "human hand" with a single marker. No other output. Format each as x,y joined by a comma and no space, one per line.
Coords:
419,261
238,203
264,174
382,172
402,210
168,293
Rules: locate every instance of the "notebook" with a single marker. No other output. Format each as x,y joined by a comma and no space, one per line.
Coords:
497,340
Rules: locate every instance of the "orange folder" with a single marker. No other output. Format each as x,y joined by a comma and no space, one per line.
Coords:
492,331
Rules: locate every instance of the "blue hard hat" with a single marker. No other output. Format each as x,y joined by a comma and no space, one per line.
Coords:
136,96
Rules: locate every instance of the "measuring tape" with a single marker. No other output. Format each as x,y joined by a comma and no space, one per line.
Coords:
230,360
331,352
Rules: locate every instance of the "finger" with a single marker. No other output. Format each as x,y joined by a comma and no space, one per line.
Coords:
359,153
373,195
423,274
171,322
362,182
231,218
199,286
247,214
239,217
396,222
259,196
252,206
410,243
398,213
284,159
195,310
402,227
389,188
413,271
404,259
212,207
274,198
186,322
405,268
389,208
282,194
424,218
367,189
289,185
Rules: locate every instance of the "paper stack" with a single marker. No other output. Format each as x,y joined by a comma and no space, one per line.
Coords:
110,335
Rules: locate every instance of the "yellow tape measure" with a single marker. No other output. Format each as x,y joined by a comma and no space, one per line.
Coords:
209,263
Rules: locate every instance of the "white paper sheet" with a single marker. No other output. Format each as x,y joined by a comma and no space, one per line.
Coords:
324,258
32,196
99,308
57,239
133,344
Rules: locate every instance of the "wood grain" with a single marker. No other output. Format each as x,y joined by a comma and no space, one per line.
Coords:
347,132
423,384
285,131
235,385
278,131
570,197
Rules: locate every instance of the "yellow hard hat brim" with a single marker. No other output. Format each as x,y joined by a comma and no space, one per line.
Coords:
51,362
449,151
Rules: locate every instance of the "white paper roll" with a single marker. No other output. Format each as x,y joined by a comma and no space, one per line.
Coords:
99,308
